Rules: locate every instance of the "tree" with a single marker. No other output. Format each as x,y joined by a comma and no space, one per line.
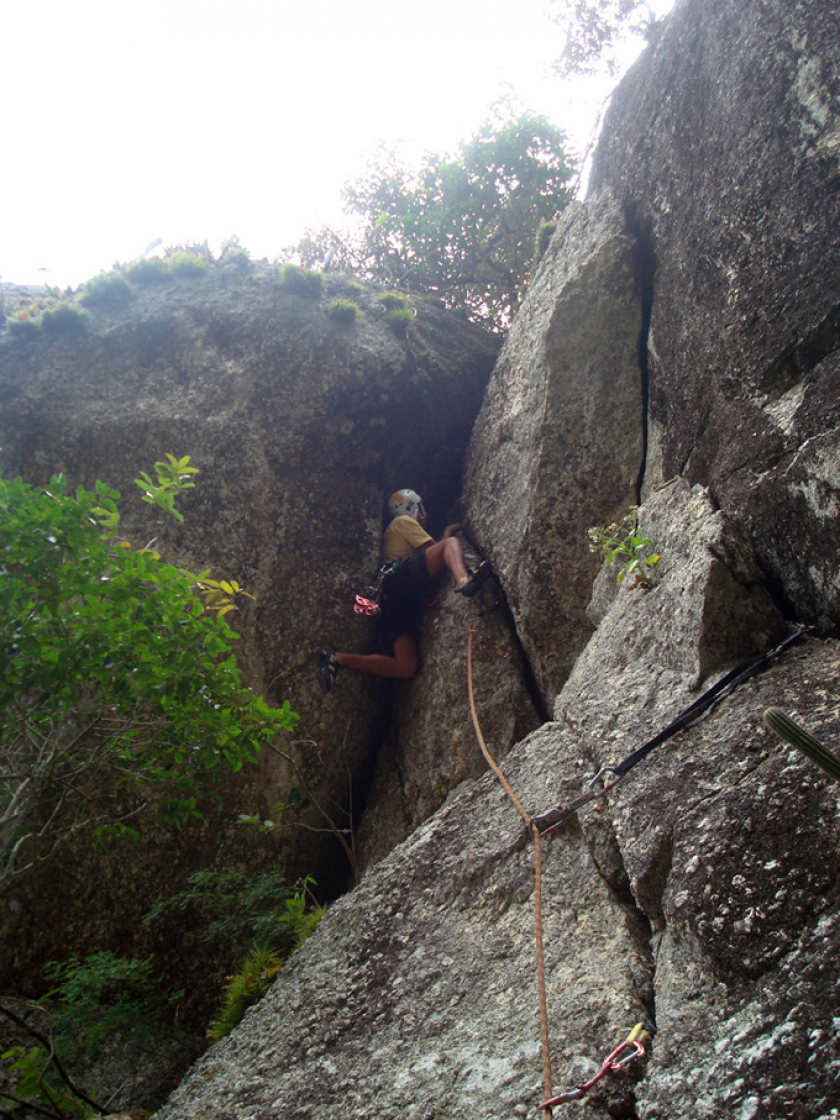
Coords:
594,28
460,227
118,689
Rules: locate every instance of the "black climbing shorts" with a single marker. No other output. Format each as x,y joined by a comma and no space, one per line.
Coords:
405,594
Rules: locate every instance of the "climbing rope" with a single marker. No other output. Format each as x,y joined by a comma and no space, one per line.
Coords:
633,1047
535,832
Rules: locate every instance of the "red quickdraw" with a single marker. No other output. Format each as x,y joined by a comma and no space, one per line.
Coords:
632,1048
366,607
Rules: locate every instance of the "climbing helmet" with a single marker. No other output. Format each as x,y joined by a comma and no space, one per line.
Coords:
404,501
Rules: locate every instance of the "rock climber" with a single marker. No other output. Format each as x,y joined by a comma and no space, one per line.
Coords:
421,559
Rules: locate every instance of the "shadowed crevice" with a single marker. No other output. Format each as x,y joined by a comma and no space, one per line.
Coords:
644,262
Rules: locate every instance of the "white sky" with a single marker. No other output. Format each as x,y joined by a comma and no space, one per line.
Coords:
127,121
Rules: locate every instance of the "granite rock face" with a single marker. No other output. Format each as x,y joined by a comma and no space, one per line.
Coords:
300,427
558,445
700,894
723,147
677,349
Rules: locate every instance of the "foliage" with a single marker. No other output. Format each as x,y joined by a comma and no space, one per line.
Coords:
23,328
462,227
259,970
101,996
393,301
171,481
327,250
593,30
398,320
239,908
116,689
108,290
186,265
458,227
343,311
95,1001
147,271
47,312
244,987
301,282
40,1088
624,540
64,320
220,595
300,918
234,254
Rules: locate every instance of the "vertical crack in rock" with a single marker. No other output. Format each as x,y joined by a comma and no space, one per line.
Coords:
528,676
645,269
640,903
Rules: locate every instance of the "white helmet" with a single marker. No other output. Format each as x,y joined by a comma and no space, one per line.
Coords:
404,501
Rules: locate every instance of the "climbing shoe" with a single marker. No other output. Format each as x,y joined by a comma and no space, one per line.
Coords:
477,578
326,669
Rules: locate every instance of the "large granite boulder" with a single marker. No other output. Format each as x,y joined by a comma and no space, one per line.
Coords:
723,147
559,444
300,426
725,838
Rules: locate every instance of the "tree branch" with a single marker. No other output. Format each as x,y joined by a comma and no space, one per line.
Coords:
59,1068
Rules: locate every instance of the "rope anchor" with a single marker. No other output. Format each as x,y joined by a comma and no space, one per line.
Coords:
628,1051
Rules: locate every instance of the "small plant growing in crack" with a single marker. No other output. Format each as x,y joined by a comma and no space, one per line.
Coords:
625,540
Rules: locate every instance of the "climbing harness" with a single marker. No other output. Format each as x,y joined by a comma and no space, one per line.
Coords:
545,823
549,821
628,1051
371,605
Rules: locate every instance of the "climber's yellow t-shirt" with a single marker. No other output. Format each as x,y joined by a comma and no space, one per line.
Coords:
403,537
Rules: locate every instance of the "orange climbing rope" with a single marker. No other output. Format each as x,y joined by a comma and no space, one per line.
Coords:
633,1047
535,832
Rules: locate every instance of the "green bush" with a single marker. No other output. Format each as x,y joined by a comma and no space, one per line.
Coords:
541,242
108,639
398,320
259,970
343,311
101,996
98,1002
64,320
236,907
300,282
393,301
108,290
626,543
245,987
234,255
183,265
24,329
148,271
433,301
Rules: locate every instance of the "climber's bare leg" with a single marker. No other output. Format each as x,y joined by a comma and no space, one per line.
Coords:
447,554
402,665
